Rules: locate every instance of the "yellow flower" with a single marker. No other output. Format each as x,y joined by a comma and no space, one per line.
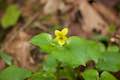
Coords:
61,36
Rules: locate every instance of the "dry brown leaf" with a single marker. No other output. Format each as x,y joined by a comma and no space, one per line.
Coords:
92,20
19,48
108,14
52,6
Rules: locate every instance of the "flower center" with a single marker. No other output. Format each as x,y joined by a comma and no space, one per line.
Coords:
61,38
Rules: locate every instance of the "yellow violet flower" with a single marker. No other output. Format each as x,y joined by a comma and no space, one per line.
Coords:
61,36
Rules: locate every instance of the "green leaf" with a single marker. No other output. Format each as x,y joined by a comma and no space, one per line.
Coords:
109,62
90,74
11,16
43,41
43,76
50,64
78,51
113,48
66,73
14,73
6,58
107,76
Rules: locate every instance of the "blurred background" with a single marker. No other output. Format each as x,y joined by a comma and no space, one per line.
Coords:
20,20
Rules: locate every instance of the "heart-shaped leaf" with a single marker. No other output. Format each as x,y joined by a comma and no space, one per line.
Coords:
14,73
11,16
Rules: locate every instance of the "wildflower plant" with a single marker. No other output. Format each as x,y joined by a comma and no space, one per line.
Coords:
67,54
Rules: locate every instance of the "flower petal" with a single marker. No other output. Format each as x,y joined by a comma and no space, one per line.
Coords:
61,42
57,32
65,31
